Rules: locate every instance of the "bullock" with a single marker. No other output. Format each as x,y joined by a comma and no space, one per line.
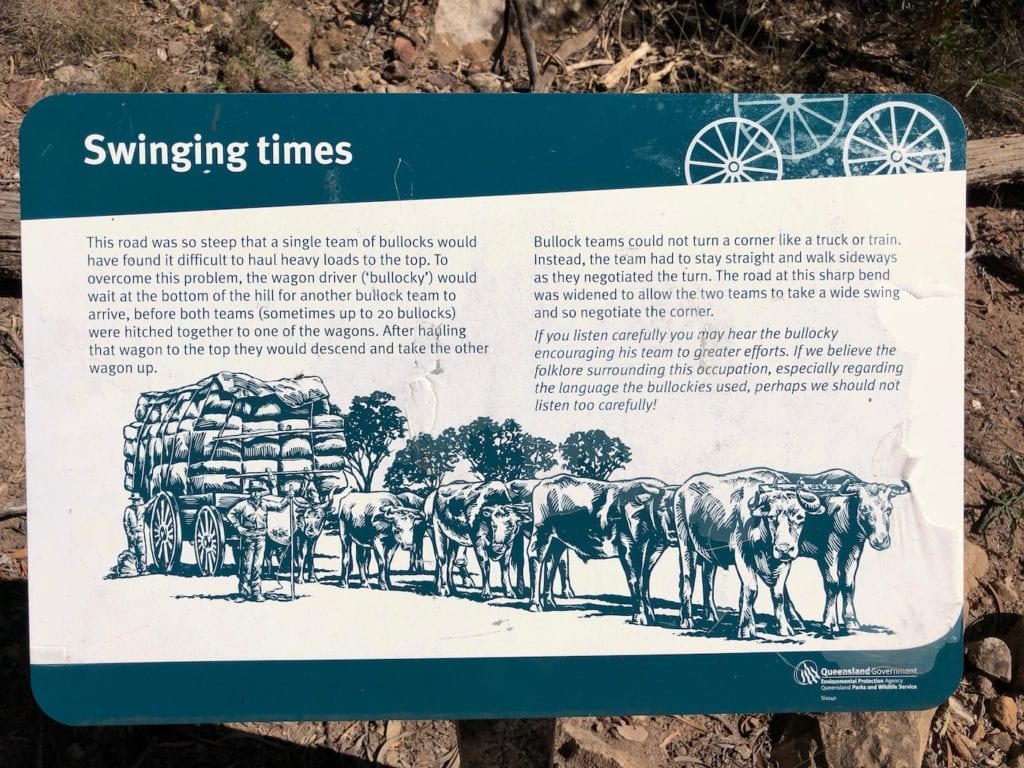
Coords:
309,524
856,512
308,527
477,515
377,522
742,519
598,519
415,501
521,492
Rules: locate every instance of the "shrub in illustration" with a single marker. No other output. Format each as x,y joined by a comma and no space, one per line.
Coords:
421,465
504,451
593,453
372,424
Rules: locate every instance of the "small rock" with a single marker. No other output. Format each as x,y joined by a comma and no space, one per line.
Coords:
1003,711
991,656
976,405
396,72
896,739
161,53
1006,591
322,54
405,50
24,93
631,733
350,60
176,49
363,81
465,29
69,74
236,76
296,32
336,39
975,565
395,24
592,750
999,740
270,82
485,82
958,711
962,746
982,685
400,89
441,80
204,14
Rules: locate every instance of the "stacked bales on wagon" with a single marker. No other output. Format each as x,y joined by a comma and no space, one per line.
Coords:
210,436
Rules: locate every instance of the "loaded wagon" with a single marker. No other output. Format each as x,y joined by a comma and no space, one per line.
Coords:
190,451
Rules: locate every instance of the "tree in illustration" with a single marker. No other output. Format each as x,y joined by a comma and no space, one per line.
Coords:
372,424
421,465
593,453
504,451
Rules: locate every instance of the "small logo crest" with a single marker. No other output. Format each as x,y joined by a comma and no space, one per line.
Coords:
806,673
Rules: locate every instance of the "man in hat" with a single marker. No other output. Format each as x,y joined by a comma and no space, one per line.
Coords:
249,516
134,522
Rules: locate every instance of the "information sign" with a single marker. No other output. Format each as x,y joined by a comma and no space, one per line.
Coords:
438,406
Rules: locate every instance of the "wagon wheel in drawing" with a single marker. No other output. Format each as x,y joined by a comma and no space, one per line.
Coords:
897,137
165,532
730,150
209,541
802,124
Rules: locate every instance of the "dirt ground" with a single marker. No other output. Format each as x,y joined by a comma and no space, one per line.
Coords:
230,45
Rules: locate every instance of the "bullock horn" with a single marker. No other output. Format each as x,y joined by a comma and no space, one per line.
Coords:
899,490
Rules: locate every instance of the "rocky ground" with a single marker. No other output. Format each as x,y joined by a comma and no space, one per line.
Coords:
621,45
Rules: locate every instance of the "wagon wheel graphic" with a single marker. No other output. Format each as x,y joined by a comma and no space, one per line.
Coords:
732,149
802,124
897,137
209,541
165,532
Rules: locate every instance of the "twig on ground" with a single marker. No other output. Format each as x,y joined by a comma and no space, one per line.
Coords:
14,510
526,38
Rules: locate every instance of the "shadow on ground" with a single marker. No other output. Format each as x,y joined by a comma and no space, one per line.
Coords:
28,737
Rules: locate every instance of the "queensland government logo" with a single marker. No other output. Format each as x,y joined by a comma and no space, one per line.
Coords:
806,673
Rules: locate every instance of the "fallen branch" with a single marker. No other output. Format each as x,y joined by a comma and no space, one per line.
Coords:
12,511
991,162
622,68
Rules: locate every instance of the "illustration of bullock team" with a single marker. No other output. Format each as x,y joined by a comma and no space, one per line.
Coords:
756,520
264,467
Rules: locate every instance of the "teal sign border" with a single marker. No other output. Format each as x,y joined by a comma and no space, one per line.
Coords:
431,147
93,694
413,146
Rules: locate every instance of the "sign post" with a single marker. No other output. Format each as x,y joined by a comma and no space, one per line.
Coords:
592,349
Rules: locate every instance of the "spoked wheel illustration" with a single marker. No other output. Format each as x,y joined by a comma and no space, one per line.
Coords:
165,532
209,541
802,124
730,150
897,137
